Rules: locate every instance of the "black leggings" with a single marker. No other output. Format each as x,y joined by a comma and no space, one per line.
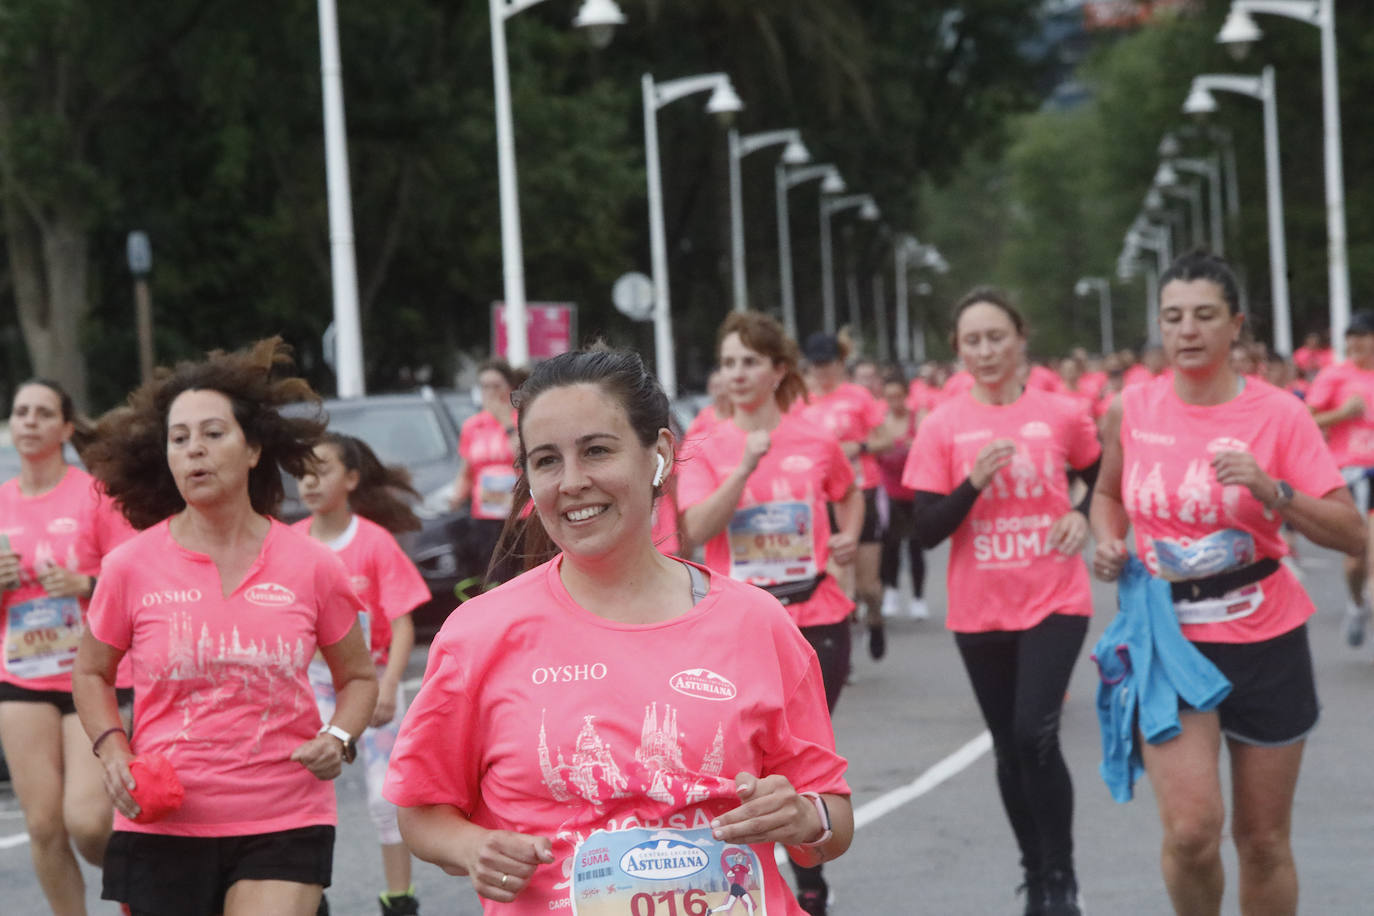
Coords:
831,642
901,526
1019,678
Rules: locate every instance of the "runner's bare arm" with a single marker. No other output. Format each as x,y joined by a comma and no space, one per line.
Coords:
708,518
93,689
499,862
1107,515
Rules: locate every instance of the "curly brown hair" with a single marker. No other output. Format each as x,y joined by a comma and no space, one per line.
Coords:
129,454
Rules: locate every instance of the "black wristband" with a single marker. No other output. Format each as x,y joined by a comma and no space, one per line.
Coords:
95,745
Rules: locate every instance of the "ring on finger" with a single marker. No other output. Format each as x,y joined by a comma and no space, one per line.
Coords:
504,879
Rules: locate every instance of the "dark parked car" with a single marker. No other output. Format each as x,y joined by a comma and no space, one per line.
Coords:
419,432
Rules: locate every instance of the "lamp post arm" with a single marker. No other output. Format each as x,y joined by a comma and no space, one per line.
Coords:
752,143
509,8
831,206
795,177
1307,11
1252,86
671,91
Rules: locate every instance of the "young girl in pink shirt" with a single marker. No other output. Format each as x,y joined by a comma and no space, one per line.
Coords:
1206,466
220,609
57,526
355,506
989,470
614,706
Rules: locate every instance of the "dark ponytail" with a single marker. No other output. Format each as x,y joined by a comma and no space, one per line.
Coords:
379,496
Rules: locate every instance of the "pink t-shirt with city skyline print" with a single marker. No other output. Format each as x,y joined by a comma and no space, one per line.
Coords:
220,683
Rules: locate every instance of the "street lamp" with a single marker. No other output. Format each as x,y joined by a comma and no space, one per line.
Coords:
907,253
1201,102
599,17
1209,168
785,179
1240,31
343,266
1192,194
868,211
1144,234
795,153
723,102
1104,306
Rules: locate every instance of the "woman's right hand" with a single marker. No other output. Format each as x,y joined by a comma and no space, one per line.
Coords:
756,445
994,456
503,862
1109,558
119,782
11,570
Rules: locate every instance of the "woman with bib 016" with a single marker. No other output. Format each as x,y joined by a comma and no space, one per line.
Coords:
56,524
990,470
596,733
220,608
755,493
1206,466
486,479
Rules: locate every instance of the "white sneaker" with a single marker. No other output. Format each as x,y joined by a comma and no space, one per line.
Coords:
892,602
918,610
1356,618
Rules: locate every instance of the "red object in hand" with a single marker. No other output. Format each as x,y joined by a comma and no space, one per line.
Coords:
157,790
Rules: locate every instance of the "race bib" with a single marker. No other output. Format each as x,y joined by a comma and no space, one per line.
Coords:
42,637
1193,559
1235,604
772,543
495,492
655,872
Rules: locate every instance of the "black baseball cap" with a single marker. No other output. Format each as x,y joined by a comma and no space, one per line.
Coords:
821,348
1361,322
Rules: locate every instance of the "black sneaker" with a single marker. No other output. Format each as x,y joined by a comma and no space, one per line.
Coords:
399,905
877,641
1061,894
1034,889
323,908
812,902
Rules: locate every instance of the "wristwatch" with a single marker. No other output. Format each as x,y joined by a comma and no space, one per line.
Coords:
824,812
350,744
1285,494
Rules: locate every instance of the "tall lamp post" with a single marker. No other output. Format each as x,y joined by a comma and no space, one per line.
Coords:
1240,31
907,253
868,210
1210,169
1155,238
343,268
1192,195
723,101
1104,307
1201,102
795,153
786,179
139,252
599,17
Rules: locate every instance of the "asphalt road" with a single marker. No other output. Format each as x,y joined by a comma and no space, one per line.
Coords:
932,835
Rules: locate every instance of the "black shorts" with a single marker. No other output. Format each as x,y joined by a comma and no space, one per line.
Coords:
830,641
62,699
1273,699
161,875
872,531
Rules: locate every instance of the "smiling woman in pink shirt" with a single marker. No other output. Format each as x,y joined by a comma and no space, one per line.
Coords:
219,608
615,713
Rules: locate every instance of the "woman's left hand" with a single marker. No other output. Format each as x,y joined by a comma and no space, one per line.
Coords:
60,582
1068,534
843,548
386,704
770,811
1240,469
322,755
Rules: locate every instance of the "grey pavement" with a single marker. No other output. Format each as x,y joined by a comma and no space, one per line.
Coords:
948,850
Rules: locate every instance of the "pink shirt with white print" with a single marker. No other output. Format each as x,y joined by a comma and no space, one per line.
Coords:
382,576
484,444
780,531
1171,492
220,683
540,717
73,525
1001,575
1351,441
851,412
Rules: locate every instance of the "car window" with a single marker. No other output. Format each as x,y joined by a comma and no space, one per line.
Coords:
399,433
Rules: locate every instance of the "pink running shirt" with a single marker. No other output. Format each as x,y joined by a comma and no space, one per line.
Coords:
485,446
1171,492
540,717
781,530
1351,441
382,576
73,525
851,412
220,685
1000,575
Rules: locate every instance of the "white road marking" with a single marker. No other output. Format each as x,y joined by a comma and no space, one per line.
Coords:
18,839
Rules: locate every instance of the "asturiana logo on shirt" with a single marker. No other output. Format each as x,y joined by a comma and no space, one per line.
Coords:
1226,444
270,594
1036,429
62,526
171,596
664,860
702,684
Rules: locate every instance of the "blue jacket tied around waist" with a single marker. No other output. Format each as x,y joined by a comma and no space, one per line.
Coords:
1146,665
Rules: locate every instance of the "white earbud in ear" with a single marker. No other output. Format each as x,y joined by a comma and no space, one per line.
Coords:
662,466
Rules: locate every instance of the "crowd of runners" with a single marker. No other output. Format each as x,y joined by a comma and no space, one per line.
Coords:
646,688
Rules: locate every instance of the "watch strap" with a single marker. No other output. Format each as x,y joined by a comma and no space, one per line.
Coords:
824,812
348,741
